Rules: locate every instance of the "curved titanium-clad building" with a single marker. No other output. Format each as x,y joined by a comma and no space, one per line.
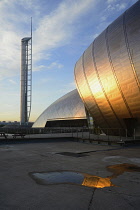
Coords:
68,108
108,73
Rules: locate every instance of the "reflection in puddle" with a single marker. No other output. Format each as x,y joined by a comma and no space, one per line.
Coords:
69,177
96,181
121,168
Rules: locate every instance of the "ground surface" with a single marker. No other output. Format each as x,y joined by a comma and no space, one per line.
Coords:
19,191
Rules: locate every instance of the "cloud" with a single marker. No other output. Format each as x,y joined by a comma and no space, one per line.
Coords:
54,65
103,18
57,28
50,31
44,80
121,6
116,5
111,1
12,81
67,88
10,40
112,10
94,36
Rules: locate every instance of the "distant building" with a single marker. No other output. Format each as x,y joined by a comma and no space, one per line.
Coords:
67,111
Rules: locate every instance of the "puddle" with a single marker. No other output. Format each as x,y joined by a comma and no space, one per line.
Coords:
69,177
84,179
119,169
120,159
136,160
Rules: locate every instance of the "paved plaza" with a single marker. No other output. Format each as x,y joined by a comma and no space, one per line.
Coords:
19,191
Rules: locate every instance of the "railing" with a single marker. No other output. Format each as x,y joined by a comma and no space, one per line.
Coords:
78,133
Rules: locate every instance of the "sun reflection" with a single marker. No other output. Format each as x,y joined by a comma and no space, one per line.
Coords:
97,182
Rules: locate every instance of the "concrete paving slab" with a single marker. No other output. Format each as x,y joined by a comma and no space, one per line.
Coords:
20,191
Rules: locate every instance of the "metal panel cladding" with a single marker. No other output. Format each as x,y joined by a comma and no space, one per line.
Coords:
68,107
108,73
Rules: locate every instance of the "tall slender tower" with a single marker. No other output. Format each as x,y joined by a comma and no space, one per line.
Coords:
26,79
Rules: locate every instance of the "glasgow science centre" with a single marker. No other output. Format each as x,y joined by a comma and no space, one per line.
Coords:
107,77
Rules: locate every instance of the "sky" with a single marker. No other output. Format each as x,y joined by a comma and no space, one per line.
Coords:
62,31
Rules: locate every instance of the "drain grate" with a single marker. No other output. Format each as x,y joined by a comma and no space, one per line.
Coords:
72,154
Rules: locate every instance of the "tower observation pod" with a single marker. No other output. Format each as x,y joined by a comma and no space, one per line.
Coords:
26,79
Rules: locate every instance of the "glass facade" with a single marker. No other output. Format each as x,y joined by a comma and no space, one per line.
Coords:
69,107
108,73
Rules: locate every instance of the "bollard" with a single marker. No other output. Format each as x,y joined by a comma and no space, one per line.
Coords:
120,135
72,132
126,133
108,137
134,134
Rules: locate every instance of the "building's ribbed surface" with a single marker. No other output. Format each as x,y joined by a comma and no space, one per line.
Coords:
108,73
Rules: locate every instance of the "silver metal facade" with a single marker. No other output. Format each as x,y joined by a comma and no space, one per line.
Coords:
108,73
68,107
26,79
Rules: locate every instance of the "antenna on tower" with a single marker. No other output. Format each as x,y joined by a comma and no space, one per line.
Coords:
31,27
